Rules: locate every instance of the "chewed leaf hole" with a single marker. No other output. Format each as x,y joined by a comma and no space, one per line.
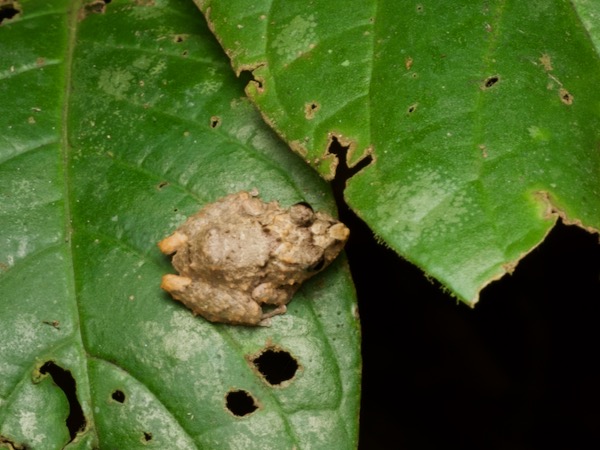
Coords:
490,81
310,109
247,77
412,108
8,11
147,437
344,172
64,380
94,7
118,396
565,96
9,443
276,366
215,121
240,403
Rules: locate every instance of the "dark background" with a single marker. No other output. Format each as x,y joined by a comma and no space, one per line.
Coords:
519,371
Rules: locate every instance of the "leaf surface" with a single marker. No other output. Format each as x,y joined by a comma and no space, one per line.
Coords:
480,122
119,120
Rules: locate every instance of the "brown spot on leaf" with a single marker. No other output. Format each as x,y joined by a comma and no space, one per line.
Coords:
408,62
93,7
565,96
483,149
310,109
546,62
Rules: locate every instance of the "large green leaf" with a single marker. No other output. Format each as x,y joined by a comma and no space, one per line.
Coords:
481,119
118,120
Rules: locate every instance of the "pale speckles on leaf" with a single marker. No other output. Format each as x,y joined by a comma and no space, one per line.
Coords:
22,335
208,87
415,204
115,83
181,339
144,62
148,9
538,134
27,424
296,37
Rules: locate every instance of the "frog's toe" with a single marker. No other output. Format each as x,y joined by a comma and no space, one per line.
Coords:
175,283
171,244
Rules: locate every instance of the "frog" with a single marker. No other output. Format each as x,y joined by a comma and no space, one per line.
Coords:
240,260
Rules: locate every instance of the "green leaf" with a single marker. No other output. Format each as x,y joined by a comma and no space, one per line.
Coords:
480,121
118,120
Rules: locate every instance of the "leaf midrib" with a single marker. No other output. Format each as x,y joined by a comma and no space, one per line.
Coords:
68,195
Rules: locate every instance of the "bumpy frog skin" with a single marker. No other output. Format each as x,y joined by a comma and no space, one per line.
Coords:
240,253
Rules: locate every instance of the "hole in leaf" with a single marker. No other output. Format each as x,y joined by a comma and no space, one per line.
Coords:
240,403
10,444
310,110
247,77
93,7
490,81
162,184
412,108
64,380
147,436
565,96
8,11
215,121
118,396
276,365
343,172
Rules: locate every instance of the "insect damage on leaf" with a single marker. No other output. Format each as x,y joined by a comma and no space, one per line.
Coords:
9,10
240,254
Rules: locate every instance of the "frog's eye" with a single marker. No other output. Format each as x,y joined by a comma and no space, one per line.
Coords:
302,214
305,204
318,265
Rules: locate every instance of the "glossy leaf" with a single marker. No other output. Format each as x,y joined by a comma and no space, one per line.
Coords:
480,120
119,119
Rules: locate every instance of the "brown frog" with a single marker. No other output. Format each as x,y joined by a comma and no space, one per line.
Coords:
240,253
